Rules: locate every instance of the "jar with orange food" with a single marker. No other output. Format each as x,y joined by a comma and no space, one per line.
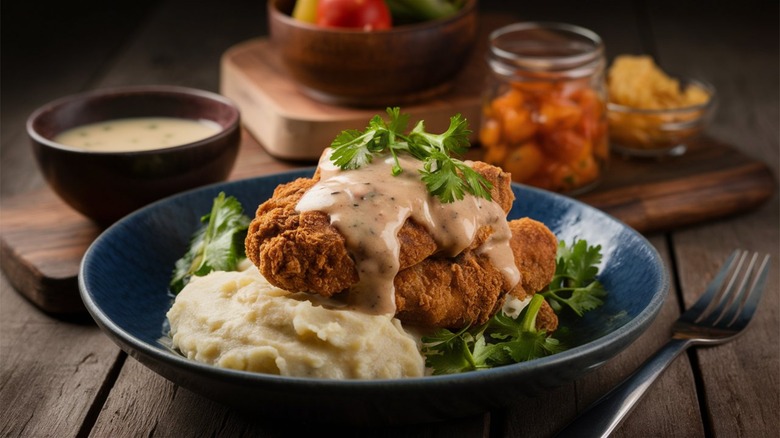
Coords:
544,117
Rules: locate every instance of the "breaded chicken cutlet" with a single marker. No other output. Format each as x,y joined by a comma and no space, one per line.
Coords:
303,252
467,289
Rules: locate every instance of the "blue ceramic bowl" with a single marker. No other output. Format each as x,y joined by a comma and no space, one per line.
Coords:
124,277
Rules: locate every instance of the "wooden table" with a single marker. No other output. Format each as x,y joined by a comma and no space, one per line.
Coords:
60,376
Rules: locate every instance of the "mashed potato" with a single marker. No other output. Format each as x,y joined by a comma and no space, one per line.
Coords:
238,320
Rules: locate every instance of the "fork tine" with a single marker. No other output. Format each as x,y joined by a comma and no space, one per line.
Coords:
717,307
729,308
698,308
754,296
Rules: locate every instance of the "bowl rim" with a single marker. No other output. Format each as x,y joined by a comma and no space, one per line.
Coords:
138,347
709,104
232,124
274,13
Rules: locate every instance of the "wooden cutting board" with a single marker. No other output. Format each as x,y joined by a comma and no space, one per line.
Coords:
294,126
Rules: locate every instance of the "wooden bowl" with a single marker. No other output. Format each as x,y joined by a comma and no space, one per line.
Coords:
105,186
402,65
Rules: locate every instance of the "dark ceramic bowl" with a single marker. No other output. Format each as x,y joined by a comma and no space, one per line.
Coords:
105,186
124,276
405,64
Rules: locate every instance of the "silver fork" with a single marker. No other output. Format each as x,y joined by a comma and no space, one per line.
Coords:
718,316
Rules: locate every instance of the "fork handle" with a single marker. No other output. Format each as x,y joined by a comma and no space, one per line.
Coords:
605,415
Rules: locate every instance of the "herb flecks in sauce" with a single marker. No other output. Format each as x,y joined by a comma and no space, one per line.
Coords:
136,134
369,206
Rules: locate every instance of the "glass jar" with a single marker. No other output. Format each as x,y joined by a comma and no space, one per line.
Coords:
544,110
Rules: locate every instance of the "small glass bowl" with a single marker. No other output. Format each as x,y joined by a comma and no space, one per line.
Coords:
659,132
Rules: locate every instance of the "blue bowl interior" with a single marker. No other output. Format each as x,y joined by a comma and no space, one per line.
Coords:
124,277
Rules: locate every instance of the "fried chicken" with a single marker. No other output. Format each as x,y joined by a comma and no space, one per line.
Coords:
534,247
302,252
449,292
452,293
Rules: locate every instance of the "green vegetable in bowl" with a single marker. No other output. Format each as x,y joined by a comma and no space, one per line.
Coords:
411,11
217,246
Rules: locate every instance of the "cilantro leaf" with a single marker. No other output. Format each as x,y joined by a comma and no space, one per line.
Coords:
574,284
218,245
350,149
454,140
441,178
448,352
524,341
445,177
502,340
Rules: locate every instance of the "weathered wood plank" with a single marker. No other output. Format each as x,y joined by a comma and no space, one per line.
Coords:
551,412
51,371
741,379
145,404
734,46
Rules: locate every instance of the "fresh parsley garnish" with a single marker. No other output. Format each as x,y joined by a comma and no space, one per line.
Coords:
504,340
218,245
446,177
574,284
500,341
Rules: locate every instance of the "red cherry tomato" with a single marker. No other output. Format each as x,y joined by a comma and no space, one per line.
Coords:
363,14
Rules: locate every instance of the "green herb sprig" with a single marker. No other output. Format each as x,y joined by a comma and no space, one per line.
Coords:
446,177
218,245
504,340
500,341
574,284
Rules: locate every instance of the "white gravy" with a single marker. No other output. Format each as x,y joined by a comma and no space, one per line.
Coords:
137,134
369,206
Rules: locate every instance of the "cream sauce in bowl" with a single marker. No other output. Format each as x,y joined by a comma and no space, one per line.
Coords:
137,134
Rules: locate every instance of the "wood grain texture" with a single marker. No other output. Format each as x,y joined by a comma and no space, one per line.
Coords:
740,381
145,404
51,370
292,126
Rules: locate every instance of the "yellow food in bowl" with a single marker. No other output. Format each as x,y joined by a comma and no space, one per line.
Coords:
649,109
637,82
